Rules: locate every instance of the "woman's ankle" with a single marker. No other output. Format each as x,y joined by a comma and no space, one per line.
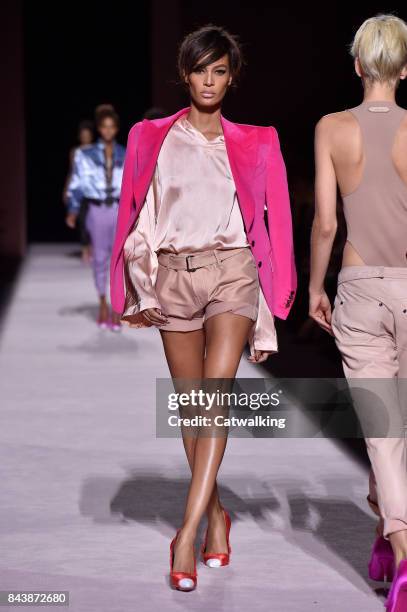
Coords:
398,541
186,535
215,513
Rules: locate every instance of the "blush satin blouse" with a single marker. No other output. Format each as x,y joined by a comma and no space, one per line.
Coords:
191,205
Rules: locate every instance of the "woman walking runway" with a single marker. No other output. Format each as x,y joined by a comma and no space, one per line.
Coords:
192,257
364,150
96,180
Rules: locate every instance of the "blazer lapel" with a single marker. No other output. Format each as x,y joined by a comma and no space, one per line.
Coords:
151,139
242,150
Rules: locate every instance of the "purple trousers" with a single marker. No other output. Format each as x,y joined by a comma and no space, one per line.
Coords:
101,225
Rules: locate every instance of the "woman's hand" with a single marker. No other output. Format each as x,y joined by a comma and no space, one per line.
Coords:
154,316
320,310
259,356
70,220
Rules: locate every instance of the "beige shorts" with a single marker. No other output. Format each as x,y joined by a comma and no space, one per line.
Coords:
224,280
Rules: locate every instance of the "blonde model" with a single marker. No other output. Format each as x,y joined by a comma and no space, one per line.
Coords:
363,150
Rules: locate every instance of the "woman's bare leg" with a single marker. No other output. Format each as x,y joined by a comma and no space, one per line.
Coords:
185,353
103,309
226,336
398,540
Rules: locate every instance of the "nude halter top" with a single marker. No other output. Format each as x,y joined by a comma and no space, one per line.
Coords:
376,211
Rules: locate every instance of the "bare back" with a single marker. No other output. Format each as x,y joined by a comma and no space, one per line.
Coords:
368,146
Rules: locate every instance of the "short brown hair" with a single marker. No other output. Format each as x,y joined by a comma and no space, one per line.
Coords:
106,110
211,43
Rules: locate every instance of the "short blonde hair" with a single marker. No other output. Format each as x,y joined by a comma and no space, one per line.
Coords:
381,46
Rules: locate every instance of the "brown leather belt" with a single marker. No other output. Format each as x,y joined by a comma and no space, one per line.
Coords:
199,260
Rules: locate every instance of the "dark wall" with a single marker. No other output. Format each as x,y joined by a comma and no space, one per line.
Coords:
298,65
12,142
77,57
298,68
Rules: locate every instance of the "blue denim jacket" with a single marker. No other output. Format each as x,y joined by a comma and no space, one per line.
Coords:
89,179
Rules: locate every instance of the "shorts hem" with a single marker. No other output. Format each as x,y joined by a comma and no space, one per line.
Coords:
246,310
182,325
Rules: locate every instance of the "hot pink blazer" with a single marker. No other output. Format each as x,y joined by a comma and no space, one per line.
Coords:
260,177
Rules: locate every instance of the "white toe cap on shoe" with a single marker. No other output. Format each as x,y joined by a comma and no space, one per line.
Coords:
213,563
186,583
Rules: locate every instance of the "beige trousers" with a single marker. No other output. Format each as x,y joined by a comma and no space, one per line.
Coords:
369,322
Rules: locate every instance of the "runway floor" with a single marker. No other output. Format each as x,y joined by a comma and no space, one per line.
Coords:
91,497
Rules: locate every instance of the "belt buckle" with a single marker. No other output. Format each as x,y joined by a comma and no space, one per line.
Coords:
188,268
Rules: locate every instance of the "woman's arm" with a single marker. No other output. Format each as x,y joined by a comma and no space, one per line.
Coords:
141,266
325,223
68,176
74,190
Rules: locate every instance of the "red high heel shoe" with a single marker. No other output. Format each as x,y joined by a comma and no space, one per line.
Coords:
218,559
182,581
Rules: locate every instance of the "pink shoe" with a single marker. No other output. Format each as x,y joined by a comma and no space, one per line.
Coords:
397,599
103,323
381,564
115,327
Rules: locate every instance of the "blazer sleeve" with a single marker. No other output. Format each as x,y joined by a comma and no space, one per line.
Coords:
125,212
263,335
141,264
280,230
126,201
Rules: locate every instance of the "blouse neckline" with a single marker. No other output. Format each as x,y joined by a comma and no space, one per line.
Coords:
187,125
